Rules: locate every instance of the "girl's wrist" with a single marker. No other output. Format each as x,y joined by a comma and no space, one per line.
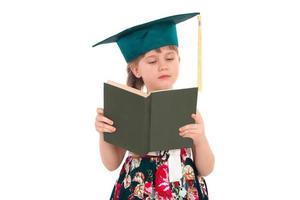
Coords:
200,140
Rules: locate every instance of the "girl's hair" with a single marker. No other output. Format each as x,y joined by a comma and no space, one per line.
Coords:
132,80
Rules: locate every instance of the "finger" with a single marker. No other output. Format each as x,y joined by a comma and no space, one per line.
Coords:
101,118
100,110
189,132
185,134
108,127
105,128
187,127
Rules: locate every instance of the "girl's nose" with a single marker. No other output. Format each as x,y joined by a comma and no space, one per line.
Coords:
162,66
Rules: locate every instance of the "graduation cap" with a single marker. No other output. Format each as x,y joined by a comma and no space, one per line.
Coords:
138,40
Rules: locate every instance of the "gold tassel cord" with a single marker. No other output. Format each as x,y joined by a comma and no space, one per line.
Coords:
199,79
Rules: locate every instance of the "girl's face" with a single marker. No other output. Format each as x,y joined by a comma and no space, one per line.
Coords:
158,68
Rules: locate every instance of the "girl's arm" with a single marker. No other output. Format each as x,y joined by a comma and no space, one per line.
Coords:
111,155
203,156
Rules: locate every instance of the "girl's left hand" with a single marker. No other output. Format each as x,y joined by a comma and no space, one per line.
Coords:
194,131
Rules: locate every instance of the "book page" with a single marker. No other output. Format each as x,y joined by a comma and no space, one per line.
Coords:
127,88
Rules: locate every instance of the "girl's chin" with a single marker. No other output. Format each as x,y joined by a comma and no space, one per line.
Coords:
165,86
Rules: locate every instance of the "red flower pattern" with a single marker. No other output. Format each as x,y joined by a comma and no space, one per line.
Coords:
192,194
177,184
117,191
183,153
162,184
148,188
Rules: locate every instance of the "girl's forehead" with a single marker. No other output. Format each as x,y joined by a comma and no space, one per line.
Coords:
162,50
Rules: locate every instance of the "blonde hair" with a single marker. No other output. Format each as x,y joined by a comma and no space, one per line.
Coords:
132,80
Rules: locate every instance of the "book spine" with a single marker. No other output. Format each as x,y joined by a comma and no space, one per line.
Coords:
148,123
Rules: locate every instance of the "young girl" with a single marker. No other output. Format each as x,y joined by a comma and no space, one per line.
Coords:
156,67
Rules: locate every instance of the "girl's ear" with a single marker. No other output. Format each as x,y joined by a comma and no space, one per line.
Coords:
135,71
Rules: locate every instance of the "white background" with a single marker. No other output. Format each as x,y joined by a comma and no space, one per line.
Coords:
51,84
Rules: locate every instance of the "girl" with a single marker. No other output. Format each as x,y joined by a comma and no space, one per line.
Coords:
156,68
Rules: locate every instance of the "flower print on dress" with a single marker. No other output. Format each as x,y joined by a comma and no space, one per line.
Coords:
148,188
162,184
147,178
182,192
117,191
188,173
139,191
139,177
127,181
192,194
135,163
184,154
178,191
126,167
203,186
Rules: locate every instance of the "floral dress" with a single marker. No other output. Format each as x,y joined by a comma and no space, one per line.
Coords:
146,177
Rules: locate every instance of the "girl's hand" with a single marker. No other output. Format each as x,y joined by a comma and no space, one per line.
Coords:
194,131
103,124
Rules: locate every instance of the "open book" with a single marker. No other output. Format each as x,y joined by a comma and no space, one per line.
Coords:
148,122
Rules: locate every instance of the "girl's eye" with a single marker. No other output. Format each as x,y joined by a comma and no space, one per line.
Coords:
152,62
170,58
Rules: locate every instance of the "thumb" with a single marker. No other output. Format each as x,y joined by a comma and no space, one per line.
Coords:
197,118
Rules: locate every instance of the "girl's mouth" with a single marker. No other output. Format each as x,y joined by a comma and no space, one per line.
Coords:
164,77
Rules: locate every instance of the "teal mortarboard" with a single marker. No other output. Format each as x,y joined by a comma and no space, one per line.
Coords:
137,40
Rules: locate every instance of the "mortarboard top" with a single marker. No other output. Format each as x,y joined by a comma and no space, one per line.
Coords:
142,38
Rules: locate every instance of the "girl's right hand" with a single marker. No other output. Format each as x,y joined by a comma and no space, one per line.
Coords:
103,124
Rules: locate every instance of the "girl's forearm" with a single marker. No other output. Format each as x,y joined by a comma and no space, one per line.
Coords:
203,157
111,155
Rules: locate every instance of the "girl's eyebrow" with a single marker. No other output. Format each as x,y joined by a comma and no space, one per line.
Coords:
150,56
154,54
171,52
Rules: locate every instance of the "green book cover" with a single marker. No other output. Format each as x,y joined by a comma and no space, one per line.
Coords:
148,122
